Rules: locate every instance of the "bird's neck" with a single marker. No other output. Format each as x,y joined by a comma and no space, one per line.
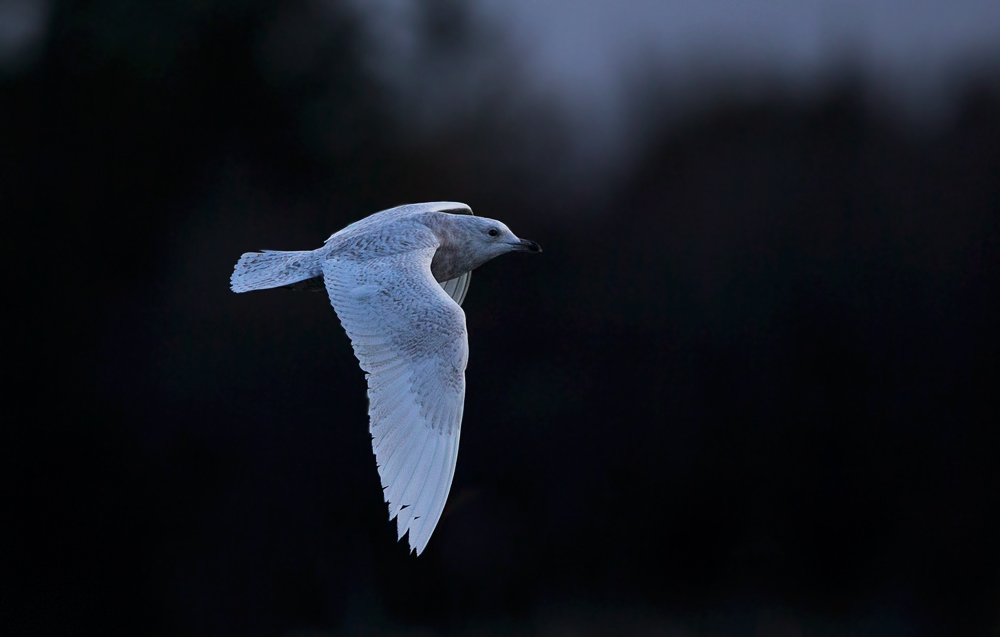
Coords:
452,258
450,263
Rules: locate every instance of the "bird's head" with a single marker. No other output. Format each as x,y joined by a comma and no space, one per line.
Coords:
468,242
491,238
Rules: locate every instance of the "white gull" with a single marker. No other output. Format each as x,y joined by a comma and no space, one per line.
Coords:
396,280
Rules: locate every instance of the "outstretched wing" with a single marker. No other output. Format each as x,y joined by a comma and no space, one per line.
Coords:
410,337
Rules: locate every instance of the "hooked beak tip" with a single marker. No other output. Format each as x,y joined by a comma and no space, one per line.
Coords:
528,246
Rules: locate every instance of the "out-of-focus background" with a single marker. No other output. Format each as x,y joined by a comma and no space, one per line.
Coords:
750,388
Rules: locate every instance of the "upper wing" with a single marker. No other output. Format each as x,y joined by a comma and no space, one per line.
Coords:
410,336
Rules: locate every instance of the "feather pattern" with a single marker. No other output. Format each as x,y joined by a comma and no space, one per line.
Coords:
408,333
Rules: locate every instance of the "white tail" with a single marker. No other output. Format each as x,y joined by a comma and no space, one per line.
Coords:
273,269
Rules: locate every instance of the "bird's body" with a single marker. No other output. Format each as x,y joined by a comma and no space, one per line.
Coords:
396,280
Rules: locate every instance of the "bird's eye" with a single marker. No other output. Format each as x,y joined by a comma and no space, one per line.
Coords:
492,232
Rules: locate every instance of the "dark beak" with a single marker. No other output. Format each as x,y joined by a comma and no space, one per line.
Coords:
527,246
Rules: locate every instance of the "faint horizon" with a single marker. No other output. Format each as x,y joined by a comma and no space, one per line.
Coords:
608,74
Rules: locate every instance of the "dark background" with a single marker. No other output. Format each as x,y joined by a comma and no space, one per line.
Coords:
750,387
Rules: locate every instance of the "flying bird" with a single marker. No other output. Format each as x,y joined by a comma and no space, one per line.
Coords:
396,280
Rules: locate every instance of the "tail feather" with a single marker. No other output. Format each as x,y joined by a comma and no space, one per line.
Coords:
273,269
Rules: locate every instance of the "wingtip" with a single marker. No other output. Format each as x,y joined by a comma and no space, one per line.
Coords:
416,546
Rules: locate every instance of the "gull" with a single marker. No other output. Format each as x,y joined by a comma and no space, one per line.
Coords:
396,280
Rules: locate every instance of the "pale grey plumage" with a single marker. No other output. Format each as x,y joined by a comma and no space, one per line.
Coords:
396,280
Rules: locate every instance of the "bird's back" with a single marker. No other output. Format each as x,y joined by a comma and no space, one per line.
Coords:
370,223
303,270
